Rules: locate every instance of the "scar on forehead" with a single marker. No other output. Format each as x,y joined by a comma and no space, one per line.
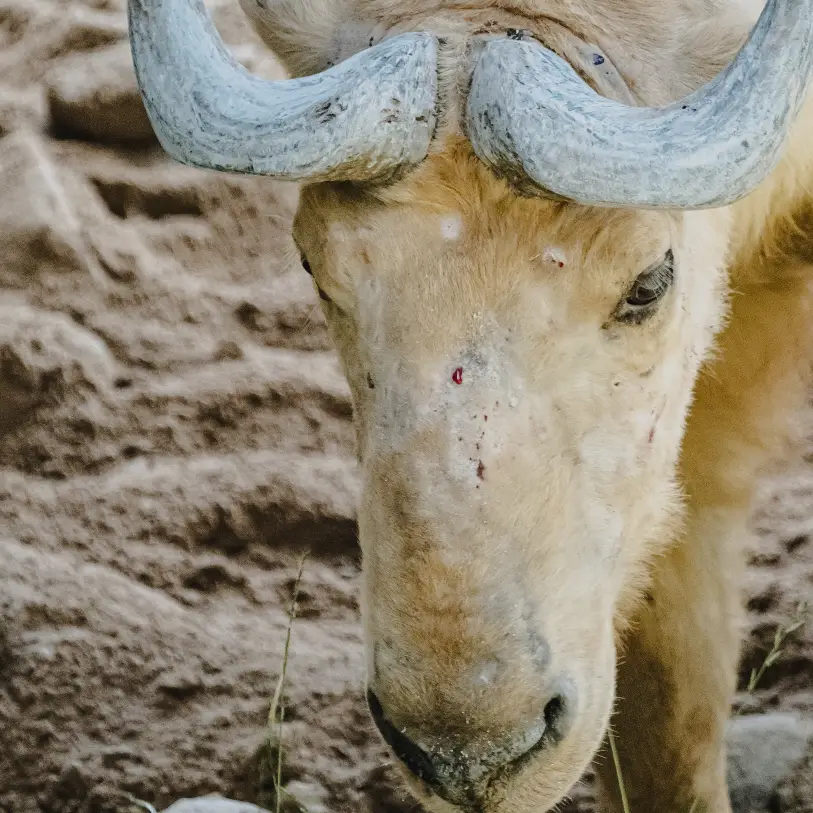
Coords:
554,255
451,226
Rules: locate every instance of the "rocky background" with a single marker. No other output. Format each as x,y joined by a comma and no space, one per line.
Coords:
174,434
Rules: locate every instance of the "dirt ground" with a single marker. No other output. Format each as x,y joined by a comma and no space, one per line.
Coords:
174,434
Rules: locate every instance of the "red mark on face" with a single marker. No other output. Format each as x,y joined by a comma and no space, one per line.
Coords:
555,256
480,470
652,434
457,376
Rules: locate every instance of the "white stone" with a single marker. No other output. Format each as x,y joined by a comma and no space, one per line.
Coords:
765,751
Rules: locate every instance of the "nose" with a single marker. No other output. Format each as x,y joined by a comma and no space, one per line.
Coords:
460,774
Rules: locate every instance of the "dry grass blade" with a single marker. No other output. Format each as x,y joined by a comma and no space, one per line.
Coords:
300,808
276,714
782,634
619,775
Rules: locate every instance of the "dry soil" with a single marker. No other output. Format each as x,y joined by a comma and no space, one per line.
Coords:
174,434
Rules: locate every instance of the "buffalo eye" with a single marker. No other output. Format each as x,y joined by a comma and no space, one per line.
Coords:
647,291
307,266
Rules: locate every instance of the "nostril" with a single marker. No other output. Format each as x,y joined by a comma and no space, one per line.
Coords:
555,713
412,755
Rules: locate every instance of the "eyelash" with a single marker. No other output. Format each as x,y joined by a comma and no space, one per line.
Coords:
658,280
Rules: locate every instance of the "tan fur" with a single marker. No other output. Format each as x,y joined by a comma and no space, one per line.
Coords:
562,514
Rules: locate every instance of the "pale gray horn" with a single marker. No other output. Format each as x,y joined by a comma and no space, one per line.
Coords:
359,120
533,120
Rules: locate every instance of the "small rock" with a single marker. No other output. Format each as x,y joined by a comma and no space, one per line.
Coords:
766,751
229,350
113,755
308,795
251,317
212,804
179,685
210,575
37,220
95,96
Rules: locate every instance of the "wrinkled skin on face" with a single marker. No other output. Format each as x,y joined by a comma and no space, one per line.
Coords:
519,424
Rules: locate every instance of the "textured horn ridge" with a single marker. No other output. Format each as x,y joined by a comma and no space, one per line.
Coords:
360,120
533,120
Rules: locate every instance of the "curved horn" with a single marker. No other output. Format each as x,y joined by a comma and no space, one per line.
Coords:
359,120
534,120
